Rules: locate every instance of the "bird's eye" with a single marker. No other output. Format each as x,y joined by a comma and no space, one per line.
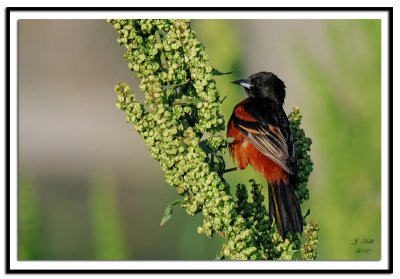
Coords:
258,83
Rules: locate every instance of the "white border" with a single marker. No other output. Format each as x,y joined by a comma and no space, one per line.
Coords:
182,265
200,15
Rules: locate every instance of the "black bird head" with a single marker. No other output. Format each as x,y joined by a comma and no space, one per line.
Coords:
263,85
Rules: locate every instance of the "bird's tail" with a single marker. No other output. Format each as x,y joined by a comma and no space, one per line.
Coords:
284,207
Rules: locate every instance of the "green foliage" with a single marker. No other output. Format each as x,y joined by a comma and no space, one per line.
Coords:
303,147
309,249
267,240
168,212
181,124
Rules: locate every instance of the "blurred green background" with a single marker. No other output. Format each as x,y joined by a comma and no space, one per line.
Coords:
88,188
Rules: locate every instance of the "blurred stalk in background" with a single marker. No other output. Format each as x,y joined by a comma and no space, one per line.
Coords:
29,236
108,237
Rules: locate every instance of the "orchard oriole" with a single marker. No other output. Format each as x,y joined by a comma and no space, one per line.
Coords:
262,138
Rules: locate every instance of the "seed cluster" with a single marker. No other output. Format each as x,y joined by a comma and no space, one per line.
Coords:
267,240
309,248
182,126
302,145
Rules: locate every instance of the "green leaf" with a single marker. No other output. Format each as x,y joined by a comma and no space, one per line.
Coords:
219,257
168,211
307,213
293,252
187,100
163,60
186,81
215,72
230,140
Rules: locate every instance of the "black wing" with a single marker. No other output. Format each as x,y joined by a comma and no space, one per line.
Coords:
266,126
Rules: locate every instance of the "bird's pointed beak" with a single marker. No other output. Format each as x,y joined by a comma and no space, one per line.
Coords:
242,82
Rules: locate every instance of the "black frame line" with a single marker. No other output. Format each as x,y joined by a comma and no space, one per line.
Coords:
8,11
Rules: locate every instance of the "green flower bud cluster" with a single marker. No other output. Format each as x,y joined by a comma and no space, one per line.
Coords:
165,54
183,106
267,241
302,145
309,248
